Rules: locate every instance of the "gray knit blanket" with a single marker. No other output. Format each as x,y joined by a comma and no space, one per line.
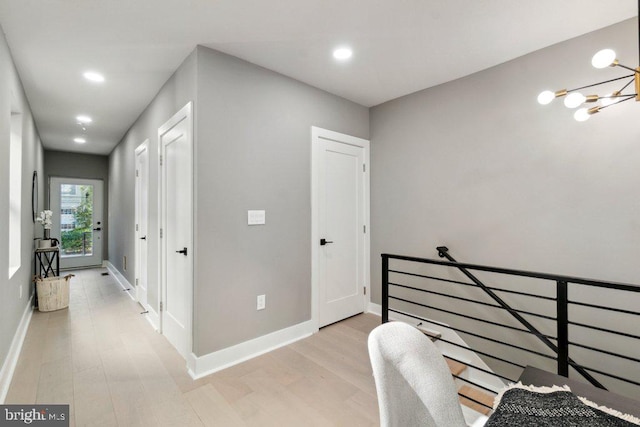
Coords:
525,406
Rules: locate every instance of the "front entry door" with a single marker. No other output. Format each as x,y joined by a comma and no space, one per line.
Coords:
176,207
341,217
77,220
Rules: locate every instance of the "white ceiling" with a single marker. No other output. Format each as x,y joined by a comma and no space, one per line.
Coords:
400,46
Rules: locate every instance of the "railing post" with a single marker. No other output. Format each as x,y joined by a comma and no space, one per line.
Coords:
385,288
562,314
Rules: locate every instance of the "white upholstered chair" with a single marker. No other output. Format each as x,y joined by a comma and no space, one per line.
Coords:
413,382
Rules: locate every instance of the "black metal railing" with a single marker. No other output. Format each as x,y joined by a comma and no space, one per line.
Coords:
564,320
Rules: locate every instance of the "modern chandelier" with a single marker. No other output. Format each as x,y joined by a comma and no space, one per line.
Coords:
574,99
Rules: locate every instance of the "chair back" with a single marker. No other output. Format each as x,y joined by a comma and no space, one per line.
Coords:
413,381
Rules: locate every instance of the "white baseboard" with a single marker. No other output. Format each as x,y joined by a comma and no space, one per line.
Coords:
153,317
120,279
10,363
374,308
216,361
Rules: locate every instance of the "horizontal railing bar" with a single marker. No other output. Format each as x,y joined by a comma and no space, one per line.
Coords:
486,304
424,276
513,328
626,380
460,345
522,273
599,350
475,401
601,307
476,384
445,295
473,334
526,294
486,371
596,328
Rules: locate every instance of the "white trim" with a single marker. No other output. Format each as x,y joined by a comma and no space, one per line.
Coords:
152,315
374,308
317,134
208,364
122,281
10,363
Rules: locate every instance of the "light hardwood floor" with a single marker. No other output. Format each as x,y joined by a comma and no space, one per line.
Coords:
104,359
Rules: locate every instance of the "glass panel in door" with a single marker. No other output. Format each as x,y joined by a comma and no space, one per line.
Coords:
77,220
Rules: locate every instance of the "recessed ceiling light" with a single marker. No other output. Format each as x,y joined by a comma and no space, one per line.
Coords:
92,76
79,140
84,119
342,53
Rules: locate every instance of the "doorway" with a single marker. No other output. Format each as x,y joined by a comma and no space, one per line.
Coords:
142,221
77,220
176,229
340,218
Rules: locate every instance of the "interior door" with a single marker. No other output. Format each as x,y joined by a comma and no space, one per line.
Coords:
77,220
142,218
175,138
341,234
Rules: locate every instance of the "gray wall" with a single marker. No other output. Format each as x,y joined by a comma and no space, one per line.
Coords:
11,306
175,94
254,152
478,165
77,165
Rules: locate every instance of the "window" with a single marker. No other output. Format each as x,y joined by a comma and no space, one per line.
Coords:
15,194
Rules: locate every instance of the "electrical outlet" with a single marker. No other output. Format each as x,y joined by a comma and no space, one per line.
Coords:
20,287
124,263
262,302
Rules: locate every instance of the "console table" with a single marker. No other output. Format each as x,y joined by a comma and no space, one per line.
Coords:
47,262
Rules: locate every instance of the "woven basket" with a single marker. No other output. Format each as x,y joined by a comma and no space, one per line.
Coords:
53,292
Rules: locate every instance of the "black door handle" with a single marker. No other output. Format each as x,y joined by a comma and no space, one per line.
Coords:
183,252
324,242
97,229
143,238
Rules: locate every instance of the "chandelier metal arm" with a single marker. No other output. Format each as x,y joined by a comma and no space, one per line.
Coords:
627,85
627,68
627,97
601,83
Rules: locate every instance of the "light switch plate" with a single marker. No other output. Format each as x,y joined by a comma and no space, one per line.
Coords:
261,302
256,217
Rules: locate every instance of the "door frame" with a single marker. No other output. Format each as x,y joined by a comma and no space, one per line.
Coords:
53,179
185,113
318,134
138,262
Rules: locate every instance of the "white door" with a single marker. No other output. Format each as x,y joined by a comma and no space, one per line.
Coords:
77,220
341,215
142,218
176,211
